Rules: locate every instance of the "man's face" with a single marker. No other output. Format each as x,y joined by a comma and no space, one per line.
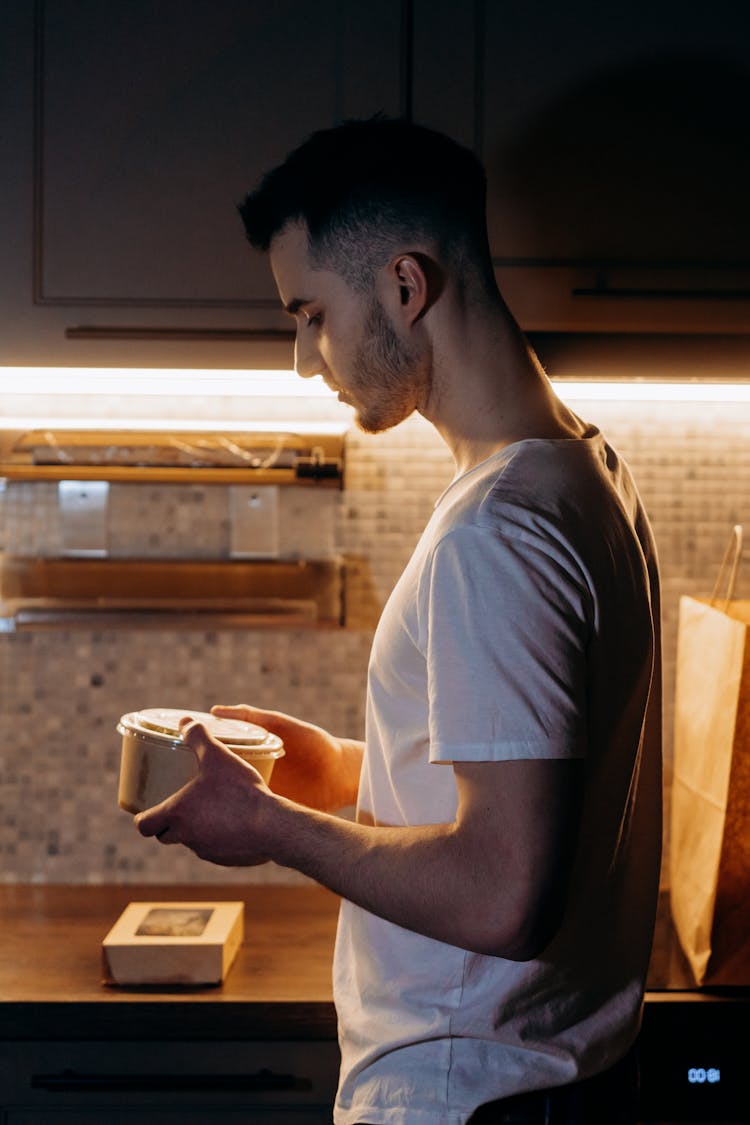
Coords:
347,338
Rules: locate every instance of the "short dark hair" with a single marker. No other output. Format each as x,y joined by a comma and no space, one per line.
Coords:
364,188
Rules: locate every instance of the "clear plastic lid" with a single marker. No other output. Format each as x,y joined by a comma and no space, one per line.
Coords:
164,723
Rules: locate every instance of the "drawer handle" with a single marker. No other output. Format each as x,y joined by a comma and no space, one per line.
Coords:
71,1081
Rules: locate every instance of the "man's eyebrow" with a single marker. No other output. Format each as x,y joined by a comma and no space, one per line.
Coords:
296,304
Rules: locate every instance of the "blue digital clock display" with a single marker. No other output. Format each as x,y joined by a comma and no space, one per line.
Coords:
701,1075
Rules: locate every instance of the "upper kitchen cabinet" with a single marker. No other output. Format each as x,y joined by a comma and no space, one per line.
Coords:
618,154
128,133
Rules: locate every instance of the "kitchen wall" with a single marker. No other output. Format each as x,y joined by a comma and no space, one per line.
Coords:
61,692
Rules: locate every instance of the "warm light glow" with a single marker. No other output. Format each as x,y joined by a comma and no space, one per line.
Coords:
294,425
176,382
158,381
624,390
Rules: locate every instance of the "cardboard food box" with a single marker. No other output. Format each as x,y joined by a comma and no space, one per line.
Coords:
173,943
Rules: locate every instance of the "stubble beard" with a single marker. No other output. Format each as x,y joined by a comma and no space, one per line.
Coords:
389,378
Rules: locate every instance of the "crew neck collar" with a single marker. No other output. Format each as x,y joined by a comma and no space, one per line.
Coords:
591,435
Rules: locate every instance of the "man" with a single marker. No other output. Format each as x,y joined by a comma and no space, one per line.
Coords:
500,881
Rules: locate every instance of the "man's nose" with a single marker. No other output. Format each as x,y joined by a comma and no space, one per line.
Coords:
307,359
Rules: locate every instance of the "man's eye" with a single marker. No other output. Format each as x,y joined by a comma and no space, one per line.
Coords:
315,320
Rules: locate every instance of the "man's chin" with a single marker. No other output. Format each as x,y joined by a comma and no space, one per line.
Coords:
371,423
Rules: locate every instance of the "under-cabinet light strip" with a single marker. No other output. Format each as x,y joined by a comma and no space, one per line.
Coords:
624,390
158,381
64,381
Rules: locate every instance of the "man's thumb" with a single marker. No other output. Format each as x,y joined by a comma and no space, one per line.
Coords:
195,735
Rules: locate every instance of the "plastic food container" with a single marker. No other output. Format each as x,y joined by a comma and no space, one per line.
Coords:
155,762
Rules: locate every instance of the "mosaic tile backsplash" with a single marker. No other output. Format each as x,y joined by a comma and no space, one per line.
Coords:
62,691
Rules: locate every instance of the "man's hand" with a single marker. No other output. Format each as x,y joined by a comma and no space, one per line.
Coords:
318,770
216,814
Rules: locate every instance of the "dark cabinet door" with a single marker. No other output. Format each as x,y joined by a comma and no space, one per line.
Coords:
138,127
617,150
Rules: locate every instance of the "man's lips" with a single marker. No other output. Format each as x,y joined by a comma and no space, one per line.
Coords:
341,394
338,391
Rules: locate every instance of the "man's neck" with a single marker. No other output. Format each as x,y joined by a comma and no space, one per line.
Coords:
489,389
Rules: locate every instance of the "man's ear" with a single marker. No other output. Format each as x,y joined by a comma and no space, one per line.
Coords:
417,281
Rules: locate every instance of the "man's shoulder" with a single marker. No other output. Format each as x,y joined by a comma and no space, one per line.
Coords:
571,499
563,481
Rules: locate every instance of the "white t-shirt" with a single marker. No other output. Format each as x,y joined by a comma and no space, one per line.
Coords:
524,626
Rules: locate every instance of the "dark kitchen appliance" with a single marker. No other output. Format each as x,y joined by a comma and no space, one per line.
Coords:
693,1042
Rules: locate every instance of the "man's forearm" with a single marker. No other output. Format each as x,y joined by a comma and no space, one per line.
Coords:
423,878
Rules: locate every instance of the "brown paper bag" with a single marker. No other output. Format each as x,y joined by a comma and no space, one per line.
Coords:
710,844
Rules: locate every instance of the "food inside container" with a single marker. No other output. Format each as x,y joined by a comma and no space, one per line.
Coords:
155,762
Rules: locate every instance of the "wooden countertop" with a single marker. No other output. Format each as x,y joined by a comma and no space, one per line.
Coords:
51,980
278,988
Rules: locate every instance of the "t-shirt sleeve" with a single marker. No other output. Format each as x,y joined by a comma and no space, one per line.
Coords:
504,622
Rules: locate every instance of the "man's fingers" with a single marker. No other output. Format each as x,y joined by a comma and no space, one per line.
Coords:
153,822
244,712
210,751
274,721
231,710
160,830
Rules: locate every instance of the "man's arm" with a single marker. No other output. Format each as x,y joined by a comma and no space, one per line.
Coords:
493,881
